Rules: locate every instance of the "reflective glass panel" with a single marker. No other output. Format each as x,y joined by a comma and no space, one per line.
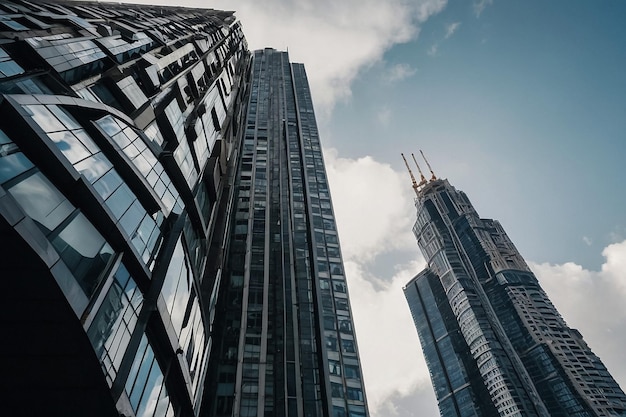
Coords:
42,201
114,322
12,165
84,251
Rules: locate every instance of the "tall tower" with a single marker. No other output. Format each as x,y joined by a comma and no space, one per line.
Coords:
494,343
167,241
287,345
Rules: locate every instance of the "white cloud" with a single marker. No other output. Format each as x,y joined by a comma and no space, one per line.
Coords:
399,72
588,241
389,347
480,5
335,40
617,234
372,204
451,28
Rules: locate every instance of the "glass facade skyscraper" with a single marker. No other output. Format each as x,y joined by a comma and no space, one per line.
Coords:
494,343
287,342
167,239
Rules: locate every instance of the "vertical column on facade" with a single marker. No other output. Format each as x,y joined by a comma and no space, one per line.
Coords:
333,313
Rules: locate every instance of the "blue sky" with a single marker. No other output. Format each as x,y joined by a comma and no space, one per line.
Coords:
523,107
519,103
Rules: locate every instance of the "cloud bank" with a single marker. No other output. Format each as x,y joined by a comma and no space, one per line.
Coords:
335,40
372,205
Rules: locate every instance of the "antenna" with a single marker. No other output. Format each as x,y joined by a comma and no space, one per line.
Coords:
423,179
411,174
433,178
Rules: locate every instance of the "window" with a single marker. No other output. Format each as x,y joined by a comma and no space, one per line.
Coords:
339,411
351,372
84,251
336,390
114,322
331,343
142,157
357,411
8,67
341,304
334,367
339,286
345,326
41,201
354,394
329,323
145,384
348,346
12,161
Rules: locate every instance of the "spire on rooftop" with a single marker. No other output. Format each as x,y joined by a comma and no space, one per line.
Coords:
433,178
415,184
423,178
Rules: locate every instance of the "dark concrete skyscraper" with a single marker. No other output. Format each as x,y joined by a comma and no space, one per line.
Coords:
167,240
494,343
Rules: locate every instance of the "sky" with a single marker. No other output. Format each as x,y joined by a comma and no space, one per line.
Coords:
519,103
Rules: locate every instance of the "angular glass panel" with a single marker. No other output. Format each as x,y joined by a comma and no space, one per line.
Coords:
95,167
106,185
42,201
154,134
12,165
120,200
70,146
131,219
9,68
121,139
45,118
145,384
68,121
84,251
86,140
109,125
130,88
150,397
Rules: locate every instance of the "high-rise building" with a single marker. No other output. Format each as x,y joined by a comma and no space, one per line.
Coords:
287,345
494,343
168,246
